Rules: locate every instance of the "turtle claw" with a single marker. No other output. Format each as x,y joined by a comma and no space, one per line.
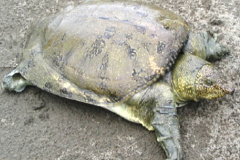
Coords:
14,82
174,150
160,139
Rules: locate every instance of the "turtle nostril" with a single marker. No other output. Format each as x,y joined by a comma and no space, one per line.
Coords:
232,91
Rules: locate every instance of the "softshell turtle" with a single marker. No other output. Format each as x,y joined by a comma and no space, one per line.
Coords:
120,56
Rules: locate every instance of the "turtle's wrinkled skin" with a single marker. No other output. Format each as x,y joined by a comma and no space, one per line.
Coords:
121,56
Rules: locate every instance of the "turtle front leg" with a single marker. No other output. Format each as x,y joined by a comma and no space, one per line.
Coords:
166,127
205,46
214,50
14,81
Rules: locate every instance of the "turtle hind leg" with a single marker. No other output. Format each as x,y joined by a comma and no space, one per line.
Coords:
14,81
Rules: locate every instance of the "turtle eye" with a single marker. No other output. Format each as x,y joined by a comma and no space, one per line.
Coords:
208,82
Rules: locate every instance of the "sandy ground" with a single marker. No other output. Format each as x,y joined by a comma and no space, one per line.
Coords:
37,125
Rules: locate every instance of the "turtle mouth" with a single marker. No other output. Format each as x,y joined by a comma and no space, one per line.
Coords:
218,94
213,96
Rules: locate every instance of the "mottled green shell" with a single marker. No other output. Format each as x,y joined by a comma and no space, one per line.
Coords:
113,49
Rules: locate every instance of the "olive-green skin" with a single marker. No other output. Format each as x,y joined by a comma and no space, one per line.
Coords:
120,56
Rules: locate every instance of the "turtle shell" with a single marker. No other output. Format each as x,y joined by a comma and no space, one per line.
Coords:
103,49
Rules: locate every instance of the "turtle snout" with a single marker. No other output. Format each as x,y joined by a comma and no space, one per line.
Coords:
232,91
228,90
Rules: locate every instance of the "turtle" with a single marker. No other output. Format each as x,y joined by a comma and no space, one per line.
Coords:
137,60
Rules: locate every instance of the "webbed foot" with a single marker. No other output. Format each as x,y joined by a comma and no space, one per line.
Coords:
214,50
14,82
167,131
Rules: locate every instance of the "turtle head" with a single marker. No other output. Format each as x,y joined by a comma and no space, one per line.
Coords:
209,85
194,79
